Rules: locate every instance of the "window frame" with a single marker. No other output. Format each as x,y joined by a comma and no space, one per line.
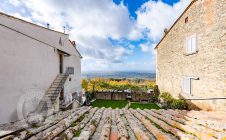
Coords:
189,50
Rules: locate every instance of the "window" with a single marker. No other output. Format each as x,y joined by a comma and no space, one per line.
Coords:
186,20
70,70
60,42
191,44
187,85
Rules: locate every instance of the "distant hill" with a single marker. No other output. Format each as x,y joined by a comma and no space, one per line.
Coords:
120,75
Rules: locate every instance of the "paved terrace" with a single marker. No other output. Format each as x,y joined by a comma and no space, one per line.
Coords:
122,124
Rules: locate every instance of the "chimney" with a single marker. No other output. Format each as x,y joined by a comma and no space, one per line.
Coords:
73,43
47,25
165,31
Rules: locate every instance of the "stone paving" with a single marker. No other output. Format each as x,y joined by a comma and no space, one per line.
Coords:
86,123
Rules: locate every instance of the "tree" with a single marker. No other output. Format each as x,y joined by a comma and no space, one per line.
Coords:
85,84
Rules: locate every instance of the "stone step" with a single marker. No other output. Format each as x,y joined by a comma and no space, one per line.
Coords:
62,76
45,102
57,86
53,93
53,89
57,83
60,80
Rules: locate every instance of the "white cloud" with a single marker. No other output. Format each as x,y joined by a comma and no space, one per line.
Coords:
131,46
156,16
148,47
18,15
93,22
15,2
99,18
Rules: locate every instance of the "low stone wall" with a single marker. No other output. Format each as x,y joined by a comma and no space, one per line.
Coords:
119,96
141,97
122,96
135,97
100,95
111,95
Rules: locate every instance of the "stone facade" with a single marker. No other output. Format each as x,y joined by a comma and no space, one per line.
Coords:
206,19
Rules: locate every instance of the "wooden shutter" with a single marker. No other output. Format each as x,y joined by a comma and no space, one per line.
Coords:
187,44
184,84
193,43
187,85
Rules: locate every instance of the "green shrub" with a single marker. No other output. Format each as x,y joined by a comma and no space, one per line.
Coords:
155,95
167,98
179,104
170,102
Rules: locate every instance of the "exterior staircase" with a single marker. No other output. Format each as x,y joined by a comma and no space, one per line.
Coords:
50,100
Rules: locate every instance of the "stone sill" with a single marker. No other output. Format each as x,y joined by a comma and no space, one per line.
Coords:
187,54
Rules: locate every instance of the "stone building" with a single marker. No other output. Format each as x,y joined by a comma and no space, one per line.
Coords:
35,60
191,56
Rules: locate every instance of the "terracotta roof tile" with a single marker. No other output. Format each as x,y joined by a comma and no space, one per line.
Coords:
86,123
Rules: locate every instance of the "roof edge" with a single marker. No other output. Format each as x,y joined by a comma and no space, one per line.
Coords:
76,49
191,3
4,14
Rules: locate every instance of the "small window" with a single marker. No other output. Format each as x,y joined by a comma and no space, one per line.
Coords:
60,42
70,70
187,85
191,44
186,20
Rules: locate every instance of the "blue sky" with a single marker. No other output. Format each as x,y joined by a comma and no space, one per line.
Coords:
134,5
111,35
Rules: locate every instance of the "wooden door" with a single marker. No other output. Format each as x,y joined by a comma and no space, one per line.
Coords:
61,63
